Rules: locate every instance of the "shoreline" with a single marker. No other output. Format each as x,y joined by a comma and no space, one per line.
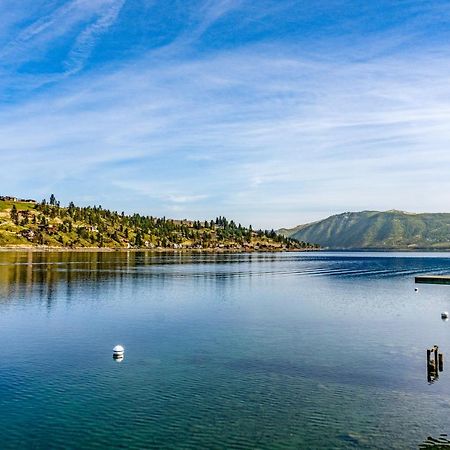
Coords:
45,249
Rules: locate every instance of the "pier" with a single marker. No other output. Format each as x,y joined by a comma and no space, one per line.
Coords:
433,279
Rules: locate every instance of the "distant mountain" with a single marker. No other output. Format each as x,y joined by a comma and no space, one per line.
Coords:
377,230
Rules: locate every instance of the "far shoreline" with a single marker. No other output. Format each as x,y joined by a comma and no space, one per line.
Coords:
46,249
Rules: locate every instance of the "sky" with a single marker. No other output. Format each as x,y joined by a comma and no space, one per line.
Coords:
270,112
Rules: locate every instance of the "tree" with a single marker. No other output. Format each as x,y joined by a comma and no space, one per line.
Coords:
138,240
40,238
52,200
14,215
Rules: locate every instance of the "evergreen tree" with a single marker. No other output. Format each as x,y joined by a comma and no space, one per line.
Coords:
138,240
14,215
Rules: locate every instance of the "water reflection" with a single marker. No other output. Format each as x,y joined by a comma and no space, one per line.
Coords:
50,267
49,275
46,273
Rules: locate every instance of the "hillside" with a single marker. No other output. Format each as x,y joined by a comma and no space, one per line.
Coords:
377,230
25,223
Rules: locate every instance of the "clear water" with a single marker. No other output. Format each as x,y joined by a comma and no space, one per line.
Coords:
296,350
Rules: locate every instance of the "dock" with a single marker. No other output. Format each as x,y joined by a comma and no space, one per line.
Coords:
433,279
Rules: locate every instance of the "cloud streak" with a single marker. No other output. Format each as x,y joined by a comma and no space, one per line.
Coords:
86,39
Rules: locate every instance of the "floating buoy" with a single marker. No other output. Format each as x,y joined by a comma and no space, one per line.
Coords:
416,289
118,352
444,315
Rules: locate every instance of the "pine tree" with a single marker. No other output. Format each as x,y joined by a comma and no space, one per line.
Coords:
138,240
14,215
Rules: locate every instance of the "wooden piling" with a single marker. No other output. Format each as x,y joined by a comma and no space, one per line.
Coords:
435,363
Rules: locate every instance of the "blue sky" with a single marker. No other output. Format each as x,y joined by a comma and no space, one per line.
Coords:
273,113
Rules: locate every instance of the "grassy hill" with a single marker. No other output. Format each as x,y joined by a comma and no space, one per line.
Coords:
377,230
48,224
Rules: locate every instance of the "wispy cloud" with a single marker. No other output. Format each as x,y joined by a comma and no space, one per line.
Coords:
74,24
43,25
186,198
86,39
213,10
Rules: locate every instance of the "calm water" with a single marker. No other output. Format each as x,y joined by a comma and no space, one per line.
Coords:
297,350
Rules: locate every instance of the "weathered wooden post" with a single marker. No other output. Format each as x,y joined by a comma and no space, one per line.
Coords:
435,364
430,371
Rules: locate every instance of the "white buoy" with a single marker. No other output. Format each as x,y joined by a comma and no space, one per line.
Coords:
444,315
118,352
416,289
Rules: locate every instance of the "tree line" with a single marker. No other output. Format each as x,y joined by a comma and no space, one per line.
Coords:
94,226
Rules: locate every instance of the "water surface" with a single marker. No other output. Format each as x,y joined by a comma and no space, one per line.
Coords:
294,350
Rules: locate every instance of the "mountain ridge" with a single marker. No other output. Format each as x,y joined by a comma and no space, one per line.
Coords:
393,229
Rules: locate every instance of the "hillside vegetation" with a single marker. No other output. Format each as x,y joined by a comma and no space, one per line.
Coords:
52,225
377,230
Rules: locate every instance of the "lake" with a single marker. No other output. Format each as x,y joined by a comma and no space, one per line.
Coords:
262,350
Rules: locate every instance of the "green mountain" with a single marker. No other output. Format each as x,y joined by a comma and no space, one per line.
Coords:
27,223
377,230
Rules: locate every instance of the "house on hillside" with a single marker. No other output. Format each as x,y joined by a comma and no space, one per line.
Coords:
7,198
28,234
47,228
189,223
